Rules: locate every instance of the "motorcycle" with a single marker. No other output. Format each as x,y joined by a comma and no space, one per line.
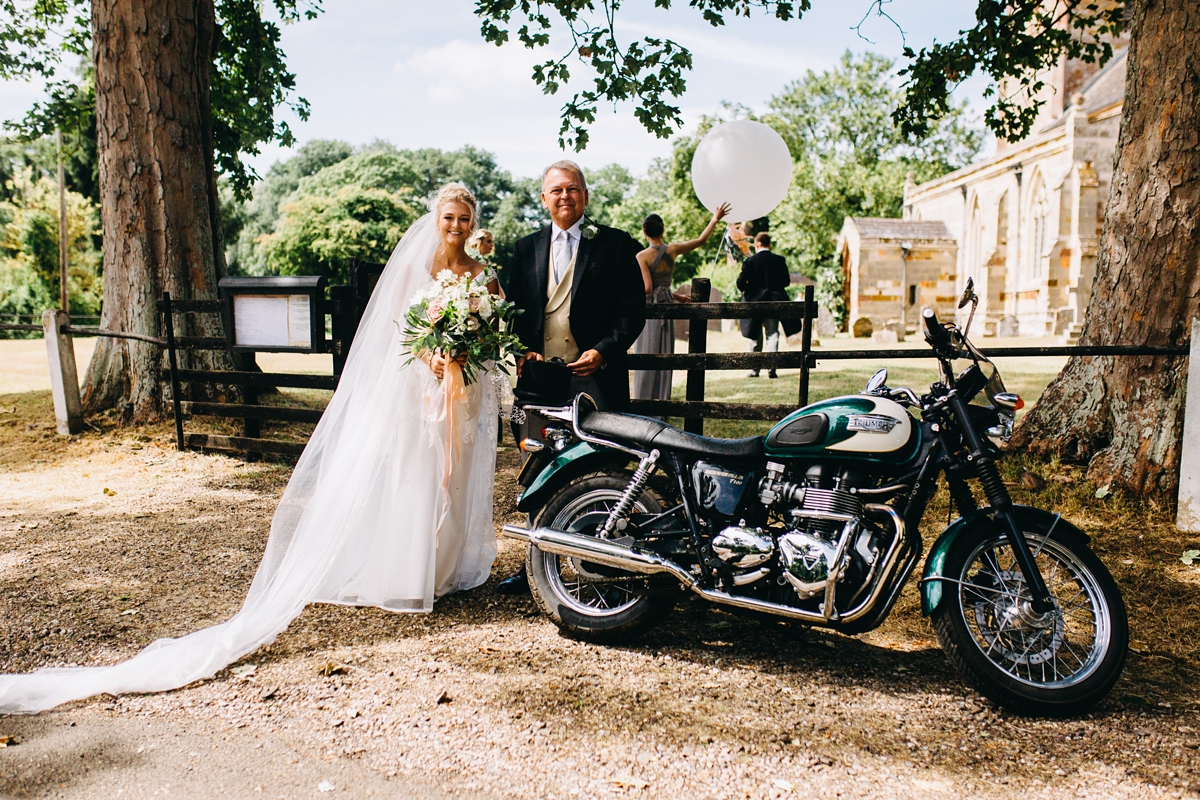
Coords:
819,522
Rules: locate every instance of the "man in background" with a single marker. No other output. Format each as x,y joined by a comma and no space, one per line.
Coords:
764,278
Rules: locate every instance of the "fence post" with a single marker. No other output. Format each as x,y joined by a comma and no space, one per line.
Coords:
173,361
697,343
1188,514
806,344
64,378
344,323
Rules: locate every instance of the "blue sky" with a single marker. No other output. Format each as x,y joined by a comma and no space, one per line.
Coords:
417,73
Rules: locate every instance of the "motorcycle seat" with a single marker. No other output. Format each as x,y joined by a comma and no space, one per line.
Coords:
651,433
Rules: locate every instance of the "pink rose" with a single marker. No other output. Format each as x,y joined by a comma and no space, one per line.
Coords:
474,304
435,310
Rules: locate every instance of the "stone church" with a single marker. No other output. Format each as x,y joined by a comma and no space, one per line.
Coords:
1026,221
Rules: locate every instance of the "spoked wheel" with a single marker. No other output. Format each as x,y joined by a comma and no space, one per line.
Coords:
1053,664
591,601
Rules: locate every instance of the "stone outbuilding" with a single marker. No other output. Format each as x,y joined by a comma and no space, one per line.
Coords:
892,268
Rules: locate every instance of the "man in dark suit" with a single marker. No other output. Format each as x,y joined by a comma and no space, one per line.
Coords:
764,278
580,288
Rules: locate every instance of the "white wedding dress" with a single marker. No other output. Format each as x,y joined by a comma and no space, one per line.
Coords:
368,517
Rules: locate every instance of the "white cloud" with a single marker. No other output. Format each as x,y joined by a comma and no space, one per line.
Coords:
460,71
721,45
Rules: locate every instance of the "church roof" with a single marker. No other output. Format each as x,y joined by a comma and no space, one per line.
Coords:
1107,87
885,228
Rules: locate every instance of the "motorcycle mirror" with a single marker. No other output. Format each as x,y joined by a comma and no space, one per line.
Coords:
968,293
878,380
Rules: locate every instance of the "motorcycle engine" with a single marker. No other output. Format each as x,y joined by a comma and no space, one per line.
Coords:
808,550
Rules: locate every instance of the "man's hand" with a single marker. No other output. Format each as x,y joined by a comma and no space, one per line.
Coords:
530,356
589,361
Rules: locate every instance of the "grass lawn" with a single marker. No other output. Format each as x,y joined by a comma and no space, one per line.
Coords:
1027,377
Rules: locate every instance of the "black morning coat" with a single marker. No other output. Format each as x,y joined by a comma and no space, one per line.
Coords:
608,300
764,277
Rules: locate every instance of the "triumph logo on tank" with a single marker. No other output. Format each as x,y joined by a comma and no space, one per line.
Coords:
871,423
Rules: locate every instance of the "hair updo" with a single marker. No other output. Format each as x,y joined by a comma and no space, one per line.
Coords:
455,193
653,226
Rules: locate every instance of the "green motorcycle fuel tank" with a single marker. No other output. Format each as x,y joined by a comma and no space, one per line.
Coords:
862,429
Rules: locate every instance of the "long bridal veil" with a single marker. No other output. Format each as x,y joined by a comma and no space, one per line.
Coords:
357,523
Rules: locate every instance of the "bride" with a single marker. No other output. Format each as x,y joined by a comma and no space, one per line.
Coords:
386,507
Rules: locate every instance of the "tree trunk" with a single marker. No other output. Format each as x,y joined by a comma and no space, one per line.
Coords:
1125,414
158,192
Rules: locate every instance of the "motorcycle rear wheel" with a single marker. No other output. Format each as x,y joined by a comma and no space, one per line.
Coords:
1058,664
588,601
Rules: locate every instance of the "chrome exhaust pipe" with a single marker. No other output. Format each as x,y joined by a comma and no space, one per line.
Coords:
599,551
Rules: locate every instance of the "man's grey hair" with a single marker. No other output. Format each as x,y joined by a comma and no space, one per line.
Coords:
566,166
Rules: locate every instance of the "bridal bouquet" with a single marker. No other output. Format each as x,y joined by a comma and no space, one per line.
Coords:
458,316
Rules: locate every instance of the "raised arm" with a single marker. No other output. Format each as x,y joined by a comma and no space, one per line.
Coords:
679,248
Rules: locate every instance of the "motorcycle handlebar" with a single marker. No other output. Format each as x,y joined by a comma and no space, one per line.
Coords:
935,332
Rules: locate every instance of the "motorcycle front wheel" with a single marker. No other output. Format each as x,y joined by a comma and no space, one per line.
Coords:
1056,664
590,601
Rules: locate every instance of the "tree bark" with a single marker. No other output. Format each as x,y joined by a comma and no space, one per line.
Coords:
158,192
1124,415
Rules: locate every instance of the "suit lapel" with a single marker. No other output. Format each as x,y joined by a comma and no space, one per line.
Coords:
541,263
581,264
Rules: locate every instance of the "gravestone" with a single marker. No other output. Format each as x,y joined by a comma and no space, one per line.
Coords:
863,328
1008,326
715,296
885,336
825,325
896,327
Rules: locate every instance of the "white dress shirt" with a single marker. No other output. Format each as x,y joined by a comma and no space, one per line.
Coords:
563,245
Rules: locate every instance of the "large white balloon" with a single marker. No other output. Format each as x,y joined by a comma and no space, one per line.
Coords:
745,164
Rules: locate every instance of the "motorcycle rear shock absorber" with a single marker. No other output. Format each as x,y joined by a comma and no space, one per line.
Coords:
629,496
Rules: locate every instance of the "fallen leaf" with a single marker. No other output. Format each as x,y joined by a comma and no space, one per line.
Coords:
130,611
1031,480
244,670
325,786
9,741
330,668
780,783
443,698
1190,556
1102,492
630,783
109,492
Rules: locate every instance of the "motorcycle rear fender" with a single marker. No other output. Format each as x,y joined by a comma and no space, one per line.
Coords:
1035,520
579,459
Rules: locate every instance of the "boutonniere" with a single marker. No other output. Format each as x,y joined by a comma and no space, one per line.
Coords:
589,229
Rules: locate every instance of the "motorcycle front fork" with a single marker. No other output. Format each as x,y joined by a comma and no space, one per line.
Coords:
999,498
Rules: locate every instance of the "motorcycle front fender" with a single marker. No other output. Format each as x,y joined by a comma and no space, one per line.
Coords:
578,459
1034,520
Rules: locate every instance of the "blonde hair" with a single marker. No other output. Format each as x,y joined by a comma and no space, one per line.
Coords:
478,235
455,193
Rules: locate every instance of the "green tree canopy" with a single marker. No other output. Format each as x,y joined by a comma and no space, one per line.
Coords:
250,80
851,159
29,271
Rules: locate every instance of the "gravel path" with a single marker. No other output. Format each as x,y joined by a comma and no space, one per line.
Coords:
482,697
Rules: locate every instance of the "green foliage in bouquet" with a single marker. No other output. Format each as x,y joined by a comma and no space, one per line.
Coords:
457,316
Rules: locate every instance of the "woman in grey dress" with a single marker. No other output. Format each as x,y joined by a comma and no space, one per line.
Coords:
658,268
